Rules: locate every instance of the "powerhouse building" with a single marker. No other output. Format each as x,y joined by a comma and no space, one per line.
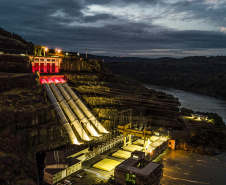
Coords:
137,170
46,64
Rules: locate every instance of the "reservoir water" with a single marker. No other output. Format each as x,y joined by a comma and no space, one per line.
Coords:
195,101
186,168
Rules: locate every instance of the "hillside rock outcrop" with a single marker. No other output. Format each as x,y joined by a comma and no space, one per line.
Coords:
13,43
14,64
201,149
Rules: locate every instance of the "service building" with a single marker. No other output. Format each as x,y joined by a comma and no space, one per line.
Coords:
137,170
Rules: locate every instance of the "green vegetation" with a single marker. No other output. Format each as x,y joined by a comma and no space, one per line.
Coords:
204,75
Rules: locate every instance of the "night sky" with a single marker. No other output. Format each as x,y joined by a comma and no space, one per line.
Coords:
143,28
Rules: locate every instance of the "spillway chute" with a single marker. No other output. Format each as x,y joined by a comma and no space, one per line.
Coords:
63,92
84,109
56,92
71,110
69,113
78,112
60,113
80,130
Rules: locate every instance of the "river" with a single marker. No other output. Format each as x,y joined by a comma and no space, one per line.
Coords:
186,168
195,101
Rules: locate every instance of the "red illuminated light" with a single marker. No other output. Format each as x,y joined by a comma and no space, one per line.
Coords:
42,68
61,80
55,80
52,79
43,80
49,80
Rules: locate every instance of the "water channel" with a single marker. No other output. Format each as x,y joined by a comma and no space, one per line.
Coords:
186,168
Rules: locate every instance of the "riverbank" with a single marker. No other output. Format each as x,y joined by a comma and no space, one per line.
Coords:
195,101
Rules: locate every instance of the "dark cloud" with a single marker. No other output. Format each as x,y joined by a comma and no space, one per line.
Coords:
58,23
97,17
102,2
200,10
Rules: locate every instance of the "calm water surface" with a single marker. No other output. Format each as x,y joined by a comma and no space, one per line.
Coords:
195,101
186,168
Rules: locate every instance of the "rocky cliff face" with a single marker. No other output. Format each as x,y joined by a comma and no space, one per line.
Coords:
14,64
76,65
13,43
28,123
107,95
200,149
9,81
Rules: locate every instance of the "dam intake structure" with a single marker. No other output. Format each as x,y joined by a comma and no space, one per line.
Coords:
71,110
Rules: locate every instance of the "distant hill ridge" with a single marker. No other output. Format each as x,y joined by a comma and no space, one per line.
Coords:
13,43
125,59
200,74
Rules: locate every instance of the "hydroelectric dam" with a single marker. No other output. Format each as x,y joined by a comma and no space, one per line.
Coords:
88,137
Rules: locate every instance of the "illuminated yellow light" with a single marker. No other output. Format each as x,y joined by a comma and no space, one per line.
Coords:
140,142
92,131
153,138
57,50
75,142
80,130
106,164
122,154
46,49
132,148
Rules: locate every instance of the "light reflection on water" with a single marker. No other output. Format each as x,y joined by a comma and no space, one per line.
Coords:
186,168
195,101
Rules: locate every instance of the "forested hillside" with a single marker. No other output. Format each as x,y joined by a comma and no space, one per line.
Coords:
204,75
